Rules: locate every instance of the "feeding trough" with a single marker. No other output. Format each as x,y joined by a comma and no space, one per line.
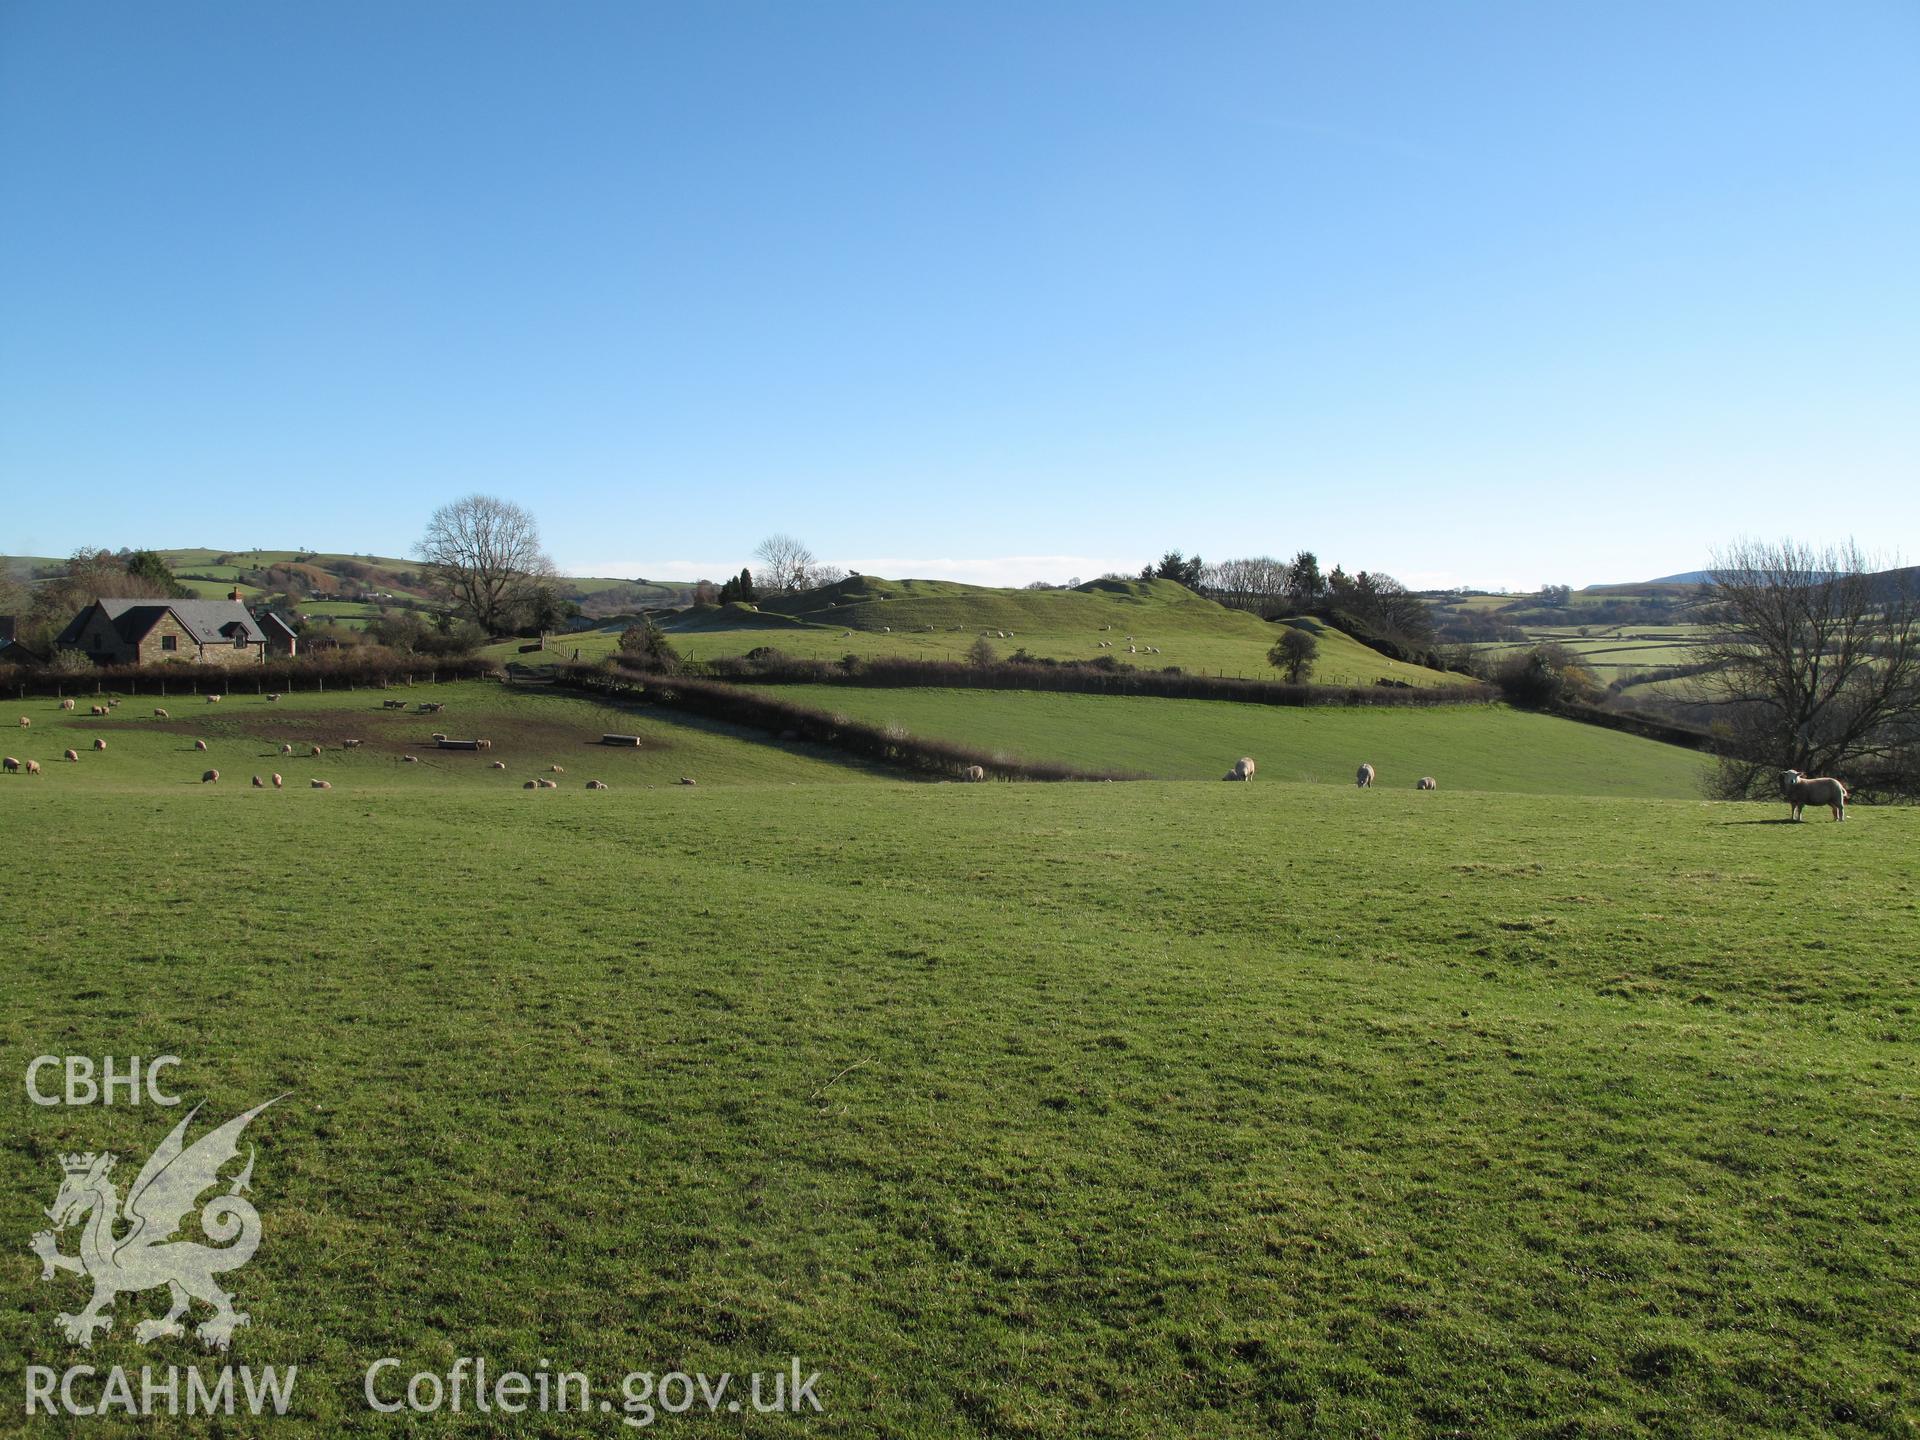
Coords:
633,740
446,744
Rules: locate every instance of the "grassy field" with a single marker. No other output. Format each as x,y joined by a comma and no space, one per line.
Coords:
531,731
1467,747
1119,1110
941,620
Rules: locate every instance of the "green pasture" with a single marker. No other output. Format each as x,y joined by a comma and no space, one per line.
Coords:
1467,747
1128,1110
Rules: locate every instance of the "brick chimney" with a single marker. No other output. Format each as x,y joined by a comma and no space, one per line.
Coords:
235,595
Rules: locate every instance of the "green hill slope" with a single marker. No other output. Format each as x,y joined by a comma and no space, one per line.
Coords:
941,620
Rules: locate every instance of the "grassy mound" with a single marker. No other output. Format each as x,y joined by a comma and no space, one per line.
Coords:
941,620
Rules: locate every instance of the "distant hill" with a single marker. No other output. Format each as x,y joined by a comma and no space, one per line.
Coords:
351,588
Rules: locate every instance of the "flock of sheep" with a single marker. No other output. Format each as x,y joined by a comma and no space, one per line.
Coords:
13,765
1244,767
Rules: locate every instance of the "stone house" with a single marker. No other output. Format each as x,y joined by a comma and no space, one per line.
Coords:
152,632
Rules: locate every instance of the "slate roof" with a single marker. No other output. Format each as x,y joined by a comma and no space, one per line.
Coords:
209,622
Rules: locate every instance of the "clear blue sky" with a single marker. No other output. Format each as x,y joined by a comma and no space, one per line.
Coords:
1497,293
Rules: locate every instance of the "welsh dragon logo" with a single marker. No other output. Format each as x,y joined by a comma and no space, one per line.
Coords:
145,1255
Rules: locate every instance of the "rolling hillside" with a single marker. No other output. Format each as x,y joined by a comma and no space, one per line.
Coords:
941,620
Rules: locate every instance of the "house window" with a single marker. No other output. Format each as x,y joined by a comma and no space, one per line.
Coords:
169,642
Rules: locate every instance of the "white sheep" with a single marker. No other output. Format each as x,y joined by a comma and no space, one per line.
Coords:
200,746
596,785
99,743
1815,790
213,699
1363,777
499,764
159,714
531,785
286,749
409,759
33,767
73,755
258,783
66,704
25,723
315,755
9,764
99,710
209,777
277,782
1244,767
321,784
351,744
973,773
1426,783
273,695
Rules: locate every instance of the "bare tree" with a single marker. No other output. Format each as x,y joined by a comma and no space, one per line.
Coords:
1815,665
484,554
784,563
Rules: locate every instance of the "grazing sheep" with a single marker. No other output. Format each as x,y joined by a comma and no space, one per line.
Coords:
886,629
351,744
33,767
1131,650
200,745
549,784
1814,790
1425,782
556,769
99,743
409,759
483,744
685,781
66,704
98,710
321,784
1244,767
73,755
531,785
25,723
286,749
209,777
596,785
258,783
315,754
160,714
437,736
213,699
1363,777
276,780
9,764
974,773
499,764
273,695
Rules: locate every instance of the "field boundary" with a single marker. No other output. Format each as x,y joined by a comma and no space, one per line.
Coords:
287,675
1062,677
